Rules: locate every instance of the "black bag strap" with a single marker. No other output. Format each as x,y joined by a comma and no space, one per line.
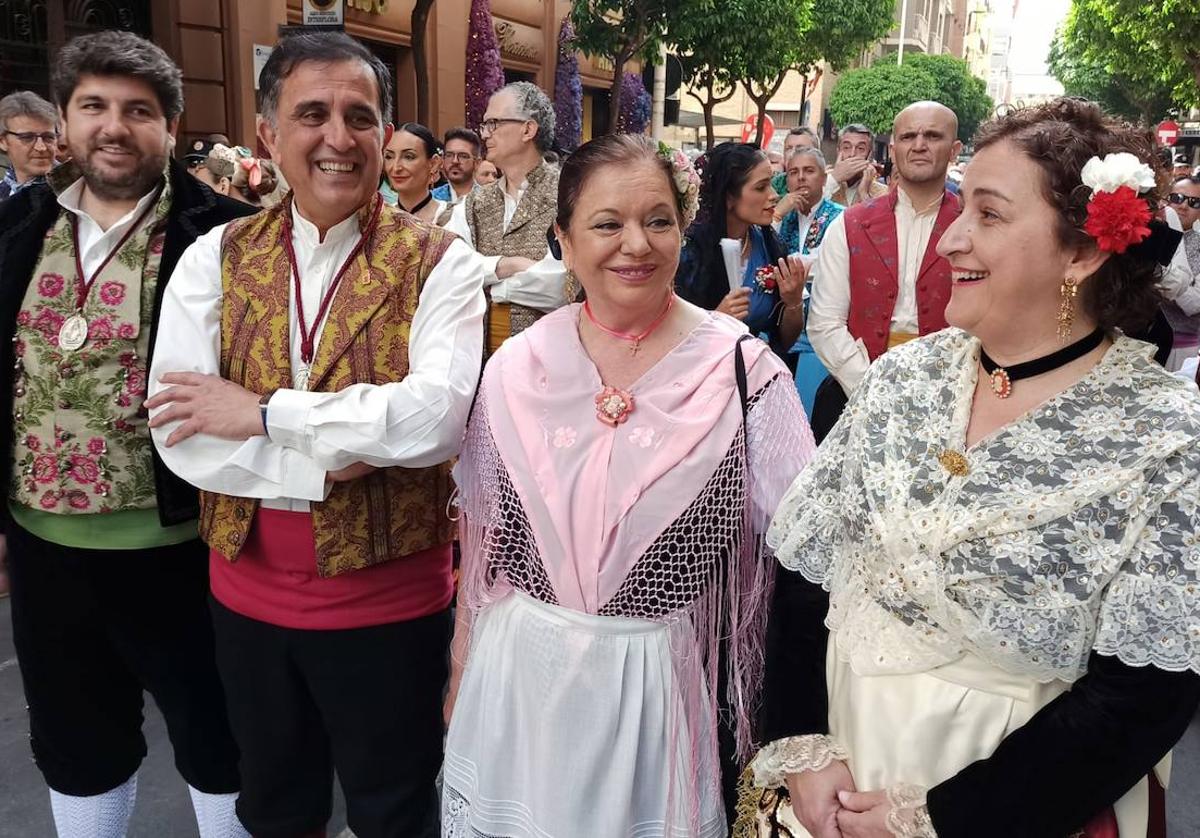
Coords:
739,372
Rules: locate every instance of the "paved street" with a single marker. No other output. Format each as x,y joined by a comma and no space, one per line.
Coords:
163,807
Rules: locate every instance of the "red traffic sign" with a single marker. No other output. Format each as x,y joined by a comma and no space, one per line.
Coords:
1168,132
750,128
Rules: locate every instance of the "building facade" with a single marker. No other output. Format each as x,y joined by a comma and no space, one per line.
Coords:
214,42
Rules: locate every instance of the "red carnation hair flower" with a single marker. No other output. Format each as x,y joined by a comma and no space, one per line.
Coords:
1117,219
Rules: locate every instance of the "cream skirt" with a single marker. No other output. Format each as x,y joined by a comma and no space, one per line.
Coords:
924,728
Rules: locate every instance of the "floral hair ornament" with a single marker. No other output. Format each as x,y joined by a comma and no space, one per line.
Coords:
1117,215
685,180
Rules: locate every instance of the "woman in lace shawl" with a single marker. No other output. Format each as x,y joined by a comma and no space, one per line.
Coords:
615,484
1006,521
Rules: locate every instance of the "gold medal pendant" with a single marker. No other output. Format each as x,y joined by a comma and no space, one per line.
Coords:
73,333
301,377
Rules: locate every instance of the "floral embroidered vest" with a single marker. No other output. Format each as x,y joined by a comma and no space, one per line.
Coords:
875,266
390,513
525,236
82,443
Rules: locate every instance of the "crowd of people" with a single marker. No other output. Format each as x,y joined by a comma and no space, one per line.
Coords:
611,495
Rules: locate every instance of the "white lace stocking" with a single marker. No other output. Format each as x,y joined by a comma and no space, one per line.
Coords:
215,815
104,815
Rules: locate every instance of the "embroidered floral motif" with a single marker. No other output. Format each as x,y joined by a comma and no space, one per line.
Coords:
564,437
643,437
82,442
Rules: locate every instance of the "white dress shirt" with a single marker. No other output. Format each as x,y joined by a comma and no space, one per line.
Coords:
415,422
540,286
1180,284
844,356
95,243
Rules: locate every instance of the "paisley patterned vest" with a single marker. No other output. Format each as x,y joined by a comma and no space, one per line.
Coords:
875,266
525,236
393,512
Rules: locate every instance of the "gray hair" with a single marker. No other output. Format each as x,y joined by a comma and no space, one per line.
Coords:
29,104
118,53
534,105
855,128
802,131
328,47
811,152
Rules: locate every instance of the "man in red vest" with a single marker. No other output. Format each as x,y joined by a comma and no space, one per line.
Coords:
879,280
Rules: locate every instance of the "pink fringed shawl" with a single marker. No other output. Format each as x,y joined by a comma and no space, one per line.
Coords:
659,518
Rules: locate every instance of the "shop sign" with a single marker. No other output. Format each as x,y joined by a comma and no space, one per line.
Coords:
518,41
324,12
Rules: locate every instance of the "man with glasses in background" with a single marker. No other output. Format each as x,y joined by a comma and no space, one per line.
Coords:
508,221
29,138
462,147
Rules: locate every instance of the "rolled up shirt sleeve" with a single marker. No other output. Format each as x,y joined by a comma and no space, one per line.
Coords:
415,422
189,340
843,355
1180,284
540,286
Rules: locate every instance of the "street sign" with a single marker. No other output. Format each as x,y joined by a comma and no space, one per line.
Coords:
324,12
750,128
1168,132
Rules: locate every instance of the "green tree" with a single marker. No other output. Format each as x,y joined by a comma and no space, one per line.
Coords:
1149,43
772,44
840,31
874,95
958,89
1082,74
623,30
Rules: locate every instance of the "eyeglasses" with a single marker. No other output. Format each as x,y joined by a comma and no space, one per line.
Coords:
489,126
457,156
1176,198
50,138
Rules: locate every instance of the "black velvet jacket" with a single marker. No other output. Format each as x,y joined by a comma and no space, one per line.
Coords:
24,221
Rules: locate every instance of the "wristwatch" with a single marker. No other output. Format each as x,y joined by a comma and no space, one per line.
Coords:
262,409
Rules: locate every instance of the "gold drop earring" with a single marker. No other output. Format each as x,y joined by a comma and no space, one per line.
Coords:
1066,309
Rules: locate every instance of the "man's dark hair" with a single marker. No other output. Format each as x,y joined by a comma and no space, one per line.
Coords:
117,53
802,131
327,47
466,135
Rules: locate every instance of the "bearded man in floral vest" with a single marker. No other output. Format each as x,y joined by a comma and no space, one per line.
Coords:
508,221
109,581
879,279
315,371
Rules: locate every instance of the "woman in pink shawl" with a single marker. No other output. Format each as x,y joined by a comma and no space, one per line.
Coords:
615,485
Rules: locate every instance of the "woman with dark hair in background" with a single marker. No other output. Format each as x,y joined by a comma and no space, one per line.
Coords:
412,162
737,203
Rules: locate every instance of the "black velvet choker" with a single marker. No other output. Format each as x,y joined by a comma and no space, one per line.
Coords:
1003,377
420,204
